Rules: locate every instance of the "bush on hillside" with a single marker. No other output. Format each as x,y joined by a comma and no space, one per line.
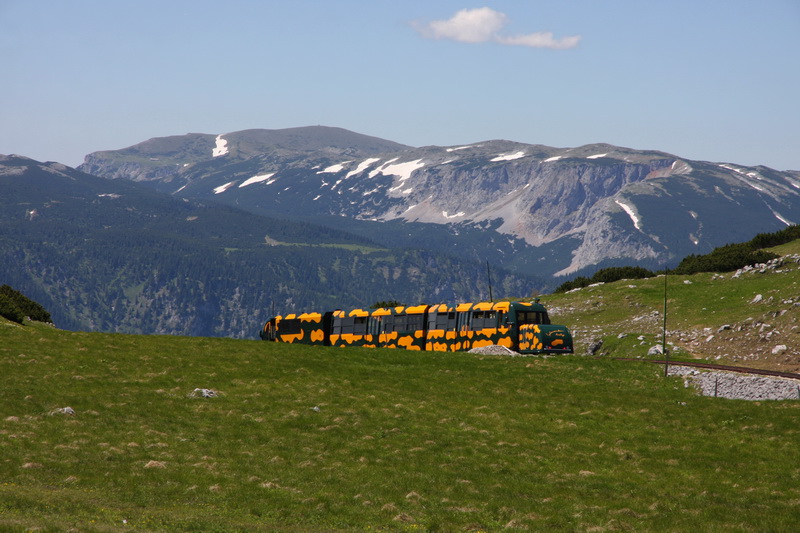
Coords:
767,240
577,283
385,304
606,275
24,305
9,310
724,259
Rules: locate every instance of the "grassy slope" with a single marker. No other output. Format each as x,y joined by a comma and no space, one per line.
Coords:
401,441
697,307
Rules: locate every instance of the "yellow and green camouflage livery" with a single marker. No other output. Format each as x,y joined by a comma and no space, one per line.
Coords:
520,326
306,328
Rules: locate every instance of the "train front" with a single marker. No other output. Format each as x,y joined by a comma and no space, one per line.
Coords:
270,330
535,332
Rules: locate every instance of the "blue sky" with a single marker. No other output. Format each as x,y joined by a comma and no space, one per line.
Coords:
716,80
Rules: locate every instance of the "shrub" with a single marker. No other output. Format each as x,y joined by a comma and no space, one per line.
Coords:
385,304
724,259
610,274
767,240
24,305
577,283
606,275
9,310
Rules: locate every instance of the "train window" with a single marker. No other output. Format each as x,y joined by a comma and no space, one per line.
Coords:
483,319
360,325
532,317
289,326
445,321
415,322
393,323
342,325
405,322
477,320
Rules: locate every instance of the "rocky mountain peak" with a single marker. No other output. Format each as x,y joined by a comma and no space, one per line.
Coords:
579,207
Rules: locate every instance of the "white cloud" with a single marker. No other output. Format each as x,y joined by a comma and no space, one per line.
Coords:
541,40
468,26
483,25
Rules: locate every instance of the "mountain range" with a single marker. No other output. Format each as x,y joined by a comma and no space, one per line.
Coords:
544,211
206,234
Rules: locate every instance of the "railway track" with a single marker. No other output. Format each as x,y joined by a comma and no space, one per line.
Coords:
711,366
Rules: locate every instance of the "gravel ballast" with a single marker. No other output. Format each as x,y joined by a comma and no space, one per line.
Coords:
718,384
494,349
737,386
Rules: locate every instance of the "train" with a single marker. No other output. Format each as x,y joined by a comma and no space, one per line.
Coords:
523,327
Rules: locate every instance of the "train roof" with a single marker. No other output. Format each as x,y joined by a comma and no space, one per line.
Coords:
502,306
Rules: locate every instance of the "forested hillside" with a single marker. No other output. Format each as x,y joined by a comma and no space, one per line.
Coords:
110,255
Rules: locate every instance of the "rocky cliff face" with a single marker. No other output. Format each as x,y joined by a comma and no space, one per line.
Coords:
579,207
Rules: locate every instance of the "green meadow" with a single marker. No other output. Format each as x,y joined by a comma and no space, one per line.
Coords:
323,439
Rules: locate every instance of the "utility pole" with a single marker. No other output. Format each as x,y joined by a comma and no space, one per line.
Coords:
664,330
489,276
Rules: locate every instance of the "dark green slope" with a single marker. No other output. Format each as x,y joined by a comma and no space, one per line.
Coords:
112,255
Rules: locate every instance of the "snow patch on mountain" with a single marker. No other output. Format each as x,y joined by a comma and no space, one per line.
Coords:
631,213
551,159
456,148
509,157
364,165
222,188
258,179
596,156
221,147
379,170
791,182
744,176
333,169
782,218
680,167
401,170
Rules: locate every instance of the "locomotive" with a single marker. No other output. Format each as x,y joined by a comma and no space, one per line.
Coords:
523,327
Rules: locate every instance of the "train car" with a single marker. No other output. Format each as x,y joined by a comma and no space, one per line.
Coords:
520,326
395,327
306,328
